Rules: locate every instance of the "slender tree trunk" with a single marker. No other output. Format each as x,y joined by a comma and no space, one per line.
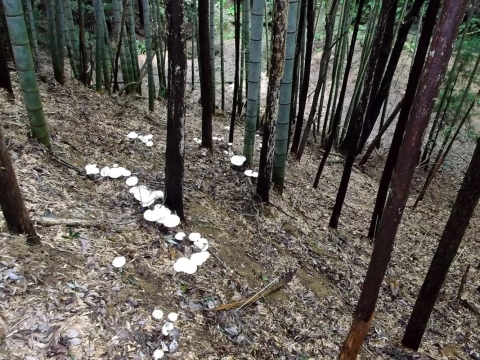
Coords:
177,78
149,53
296,65
338,112
237,75
410,91
388,6
222,60
462,212
212,52
53,43
430,81
5,82
306,76
206,73
33,32
322,74
99,45
279,25
382,93
141,13
11,200
81,37
382,130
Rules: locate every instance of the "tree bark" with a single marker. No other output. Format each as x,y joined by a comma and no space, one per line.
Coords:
206,73
431,77
410,91
338,113
5,82
358,120
467,200
302,101
236,86
177,74
276,70
11,200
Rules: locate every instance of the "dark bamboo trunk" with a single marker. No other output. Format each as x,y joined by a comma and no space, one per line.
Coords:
338,113
236,85
410,91
279,26
302,101
359,119
378,98
11,200
140,13
467,200
81,37
431,77
382,45
177,74
296,65
206,73
5,82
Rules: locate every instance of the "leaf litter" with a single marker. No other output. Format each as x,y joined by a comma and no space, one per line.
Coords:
66,299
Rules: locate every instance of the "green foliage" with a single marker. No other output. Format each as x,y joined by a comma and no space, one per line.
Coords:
71,235
141,48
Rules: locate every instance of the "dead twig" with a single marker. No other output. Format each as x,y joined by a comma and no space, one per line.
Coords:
44,221
262,293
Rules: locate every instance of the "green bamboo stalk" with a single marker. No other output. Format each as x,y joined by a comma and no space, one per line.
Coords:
72,35
33,33
53,43
212,49
255,58
99,41
222,65
59,26
26,70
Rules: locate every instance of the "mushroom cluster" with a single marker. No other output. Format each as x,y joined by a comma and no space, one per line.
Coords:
251,173
114,172
190,265
146,139
171,333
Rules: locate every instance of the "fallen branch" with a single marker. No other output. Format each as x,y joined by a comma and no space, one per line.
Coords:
44,221
66,163
264,292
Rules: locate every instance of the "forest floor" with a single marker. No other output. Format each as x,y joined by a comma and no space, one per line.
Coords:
65,300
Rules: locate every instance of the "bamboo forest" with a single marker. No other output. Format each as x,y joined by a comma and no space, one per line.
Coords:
239,179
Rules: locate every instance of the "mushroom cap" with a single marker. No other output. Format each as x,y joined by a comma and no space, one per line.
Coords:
194,236
132,135
167,327
180,235
255,174
158,354
116,172
91,169
157,314
248,172
184,264
149,143
105,171
173,316
171,220
132,181
119,261
238,160
200,257
201,244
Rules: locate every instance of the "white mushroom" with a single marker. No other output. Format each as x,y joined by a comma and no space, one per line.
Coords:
105,171
255,174
119,262
194,236
200,257
172,317
149,143
132,135
184,264
238,160
201,244
132,181
116,172
171,220
91,169
158,354
180,235
157,314
248,172
167,328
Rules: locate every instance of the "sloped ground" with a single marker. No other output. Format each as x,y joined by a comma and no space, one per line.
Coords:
68,285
